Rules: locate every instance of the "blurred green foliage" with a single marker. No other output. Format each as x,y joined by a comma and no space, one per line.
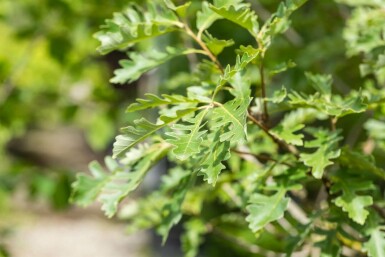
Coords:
52,77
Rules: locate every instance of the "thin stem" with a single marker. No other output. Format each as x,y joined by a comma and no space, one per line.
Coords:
265,115
203,46
333,122
261,157
282,144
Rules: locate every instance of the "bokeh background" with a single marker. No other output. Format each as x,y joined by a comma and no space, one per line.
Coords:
58,111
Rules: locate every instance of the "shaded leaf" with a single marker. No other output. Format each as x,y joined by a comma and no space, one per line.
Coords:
326,144
351,201
172,211
362,163
321,83
215,154
192,237
215,45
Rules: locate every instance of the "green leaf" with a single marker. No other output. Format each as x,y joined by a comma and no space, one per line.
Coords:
172,211
135,24
264,209
138,64
86,188
248,55
321,83
232,113
351,201
374,230
152,101
143,128
215,153
278,96
286,133
361,163
303,116
240,14
206,17
295,242
282,67
240,85
187,139
181,10
278,22
326,142
334,106
215,45
330,246
375,247
111,187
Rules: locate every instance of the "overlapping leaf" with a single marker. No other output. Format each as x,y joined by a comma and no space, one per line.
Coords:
352,200
232,113
247,55
138,64
287,133
216,153
240,14
264,209
172,211
152,101
135,25
187,138
375,247
361,163
181,10
337,106
278,22
215,45
206,17
374,230
143,128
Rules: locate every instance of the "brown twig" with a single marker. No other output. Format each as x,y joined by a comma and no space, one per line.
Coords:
379,210
282,144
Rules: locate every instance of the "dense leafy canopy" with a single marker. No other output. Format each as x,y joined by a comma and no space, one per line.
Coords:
252,161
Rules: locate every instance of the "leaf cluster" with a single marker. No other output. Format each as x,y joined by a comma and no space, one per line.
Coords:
240,172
